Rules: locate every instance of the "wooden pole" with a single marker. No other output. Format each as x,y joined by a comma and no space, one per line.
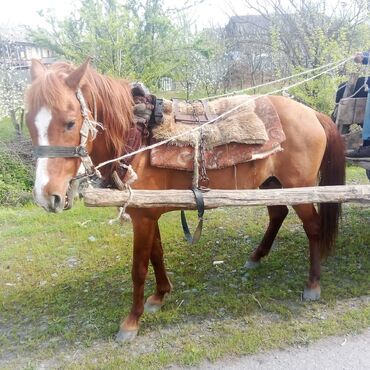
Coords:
184,199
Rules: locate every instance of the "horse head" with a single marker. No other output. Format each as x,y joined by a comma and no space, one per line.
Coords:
55,119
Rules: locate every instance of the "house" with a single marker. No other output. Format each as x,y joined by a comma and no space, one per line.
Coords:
248,39
240,26
17,50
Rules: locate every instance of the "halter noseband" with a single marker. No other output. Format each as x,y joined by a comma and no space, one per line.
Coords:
48,151
80,151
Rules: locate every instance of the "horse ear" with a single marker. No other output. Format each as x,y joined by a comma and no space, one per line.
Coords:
37,69
74,78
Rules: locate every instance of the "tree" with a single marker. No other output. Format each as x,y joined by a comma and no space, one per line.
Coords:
12,83
296,35
214,64
248,42
134,39
309,32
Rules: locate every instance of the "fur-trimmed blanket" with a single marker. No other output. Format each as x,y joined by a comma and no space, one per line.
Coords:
181,155
241,126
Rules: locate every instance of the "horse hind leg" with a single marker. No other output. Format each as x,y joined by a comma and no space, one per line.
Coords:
163,284
311,224
277,216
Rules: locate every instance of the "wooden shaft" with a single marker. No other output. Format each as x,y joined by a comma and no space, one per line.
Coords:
184,199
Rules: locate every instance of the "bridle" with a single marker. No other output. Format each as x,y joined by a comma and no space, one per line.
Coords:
89,127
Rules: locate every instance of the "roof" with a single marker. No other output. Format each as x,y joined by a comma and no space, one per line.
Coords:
253,19
247,25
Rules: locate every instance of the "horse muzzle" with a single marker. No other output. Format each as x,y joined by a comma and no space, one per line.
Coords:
51,203
57,202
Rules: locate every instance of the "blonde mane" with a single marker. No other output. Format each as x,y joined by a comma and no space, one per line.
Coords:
111,97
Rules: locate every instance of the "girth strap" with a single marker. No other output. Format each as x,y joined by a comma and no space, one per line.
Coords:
193,239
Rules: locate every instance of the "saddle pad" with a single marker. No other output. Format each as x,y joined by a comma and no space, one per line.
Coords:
241,126
182,158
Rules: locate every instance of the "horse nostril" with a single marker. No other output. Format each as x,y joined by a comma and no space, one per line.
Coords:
56,202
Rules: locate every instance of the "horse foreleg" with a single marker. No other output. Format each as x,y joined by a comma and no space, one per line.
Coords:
277,215
144,229
311,224
163,284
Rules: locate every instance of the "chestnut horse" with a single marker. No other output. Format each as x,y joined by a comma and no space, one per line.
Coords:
313,153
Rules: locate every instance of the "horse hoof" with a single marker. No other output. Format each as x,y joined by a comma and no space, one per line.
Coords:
124,336
250,265
151,308
312,294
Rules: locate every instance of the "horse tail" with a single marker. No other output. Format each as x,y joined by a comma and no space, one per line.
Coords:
332,172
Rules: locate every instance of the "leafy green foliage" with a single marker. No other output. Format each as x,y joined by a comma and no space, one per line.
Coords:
16,176
309,38
12,82
143,40
15,179
318,93
136,40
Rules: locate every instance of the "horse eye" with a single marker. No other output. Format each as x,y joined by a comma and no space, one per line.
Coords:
70,125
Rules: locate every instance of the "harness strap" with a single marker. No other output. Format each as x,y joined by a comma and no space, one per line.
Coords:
193,239
207,112
48,151
157,115
88,127
204,114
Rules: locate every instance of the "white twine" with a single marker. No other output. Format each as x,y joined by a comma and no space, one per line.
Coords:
197,128
131,176
271,82
364,86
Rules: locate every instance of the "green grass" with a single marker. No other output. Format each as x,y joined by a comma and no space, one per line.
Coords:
8,132
63,293
16,177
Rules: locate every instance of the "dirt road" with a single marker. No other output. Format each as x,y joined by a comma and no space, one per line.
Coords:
335,353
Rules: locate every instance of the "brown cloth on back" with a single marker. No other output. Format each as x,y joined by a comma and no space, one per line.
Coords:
232,153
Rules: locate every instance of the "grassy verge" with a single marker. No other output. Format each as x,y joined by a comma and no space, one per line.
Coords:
65,285
16,173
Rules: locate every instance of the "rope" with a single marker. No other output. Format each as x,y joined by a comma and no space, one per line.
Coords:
364,85
155,145
275,81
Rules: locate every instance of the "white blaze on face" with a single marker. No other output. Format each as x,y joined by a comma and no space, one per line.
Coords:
42,123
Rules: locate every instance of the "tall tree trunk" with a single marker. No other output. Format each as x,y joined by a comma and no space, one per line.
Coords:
15,122
21,120
187,90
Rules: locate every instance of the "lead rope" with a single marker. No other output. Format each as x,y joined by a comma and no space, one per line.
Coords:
130,178
88,127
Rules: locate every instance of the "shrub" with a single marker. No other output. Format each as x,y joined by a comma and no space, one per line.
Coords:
15,178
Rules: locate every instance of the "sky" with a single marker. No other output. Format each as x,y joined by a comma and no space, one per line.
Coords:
209,12
17,12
